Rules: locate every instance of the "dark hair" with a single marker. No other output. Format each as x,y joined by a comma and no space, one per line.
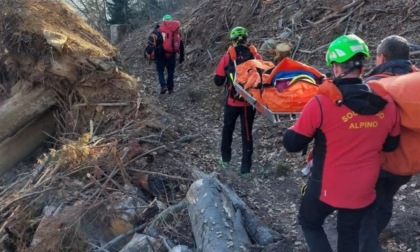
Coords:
354,62
394,47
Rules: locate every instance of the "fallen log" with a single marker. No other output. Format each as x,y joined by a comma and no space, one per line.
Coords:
216,224
24,142
23,108
259,233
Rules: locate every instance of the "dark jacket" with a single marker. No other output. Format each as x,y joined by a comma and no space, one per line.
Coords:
391,68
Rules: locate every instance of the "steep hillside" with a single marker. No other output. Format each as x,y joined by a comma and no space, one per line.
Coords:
309,26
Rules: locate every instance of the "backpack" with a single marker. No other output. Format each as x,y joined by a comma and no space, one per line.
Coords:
171,39
238,55
405,90
149,51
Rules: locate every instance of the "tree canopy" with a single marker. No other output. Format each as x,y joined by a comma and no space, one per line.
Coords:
120,11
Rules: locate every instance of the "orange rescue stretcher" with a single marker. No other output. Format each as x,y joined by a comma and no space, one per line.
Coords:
280,92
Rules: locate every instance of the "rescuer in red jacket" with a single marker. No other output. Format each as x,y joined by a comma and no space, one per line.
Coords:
349,133
235,105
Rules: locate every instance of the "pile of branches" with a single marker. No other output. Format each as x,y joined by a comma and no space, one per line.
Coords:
90,190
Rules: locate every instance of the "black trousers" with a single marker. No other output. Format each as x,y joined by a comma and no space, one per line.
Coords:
247,115
312,214
169,64
387,186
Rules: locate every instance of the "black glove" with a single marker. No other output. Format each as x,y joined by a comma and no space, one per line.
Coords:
181,59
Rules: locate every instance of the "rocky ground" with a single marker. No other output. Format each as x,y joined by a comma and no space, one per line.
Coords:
274,190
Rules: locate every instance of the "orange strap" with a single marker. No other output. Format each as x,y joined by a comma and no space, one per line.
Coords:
154,38
253,50
378,89
232,53
329,89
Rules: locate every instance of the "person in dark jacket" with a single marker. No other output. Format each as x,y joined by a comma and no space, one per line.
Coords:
349,133
235,105
163,59
392,59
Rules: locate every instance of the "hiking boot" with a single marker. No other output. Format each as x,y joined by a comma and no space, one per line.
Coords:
163,90
246,176
170,91
223,164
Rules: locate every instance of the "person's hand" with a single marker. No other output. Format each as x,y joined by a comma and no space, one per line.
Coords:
181,59
303,189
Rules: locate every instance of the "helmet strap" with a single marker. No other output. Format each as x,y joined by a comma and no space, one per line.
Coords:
356,64
238,41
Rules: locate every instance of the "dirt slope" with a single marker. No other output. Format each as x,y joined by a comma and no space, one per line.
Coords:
197,104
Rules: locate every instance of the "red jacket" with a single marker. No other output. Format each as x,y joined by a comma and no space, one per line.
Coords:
347,148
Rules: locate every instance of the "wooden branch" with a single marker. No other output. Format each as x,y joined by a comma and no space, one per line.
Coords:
313,51
165,242
7,189
208,52
105,184
255,7
144,154
97,247
120,165
92,179
10,218
167,215
352,4
104,104
107,177
337,13
297,46
188,138
49,172
344,17
142,140
225,15
414,53
123,235
414,45
160,174
347,25
24,197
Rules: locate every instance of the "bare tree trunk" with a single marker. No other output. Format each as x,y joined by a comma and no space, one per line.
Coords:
260,233
16,148
23,108
216,225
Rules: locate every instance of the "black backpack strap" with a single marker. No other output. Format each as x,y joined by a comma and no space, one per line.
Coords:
322,113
